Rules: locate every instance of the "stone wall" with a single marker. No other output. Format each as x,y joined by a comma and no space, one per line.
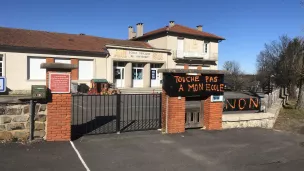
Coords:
15,121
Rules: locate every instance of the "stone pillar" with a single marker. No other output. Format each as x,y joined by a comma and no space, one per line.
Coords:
75,71
147,75
128,75
213,112
173,114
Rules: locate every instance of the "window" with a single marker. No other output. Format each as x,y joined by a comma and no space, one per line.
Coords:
138,64
86,69
137,74
156,65
1,65
180,44
61,60
34,70
206,47
120,64
137,71
119,73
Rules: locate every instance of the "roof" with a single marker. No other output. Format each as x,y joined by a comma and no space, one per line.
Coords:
182,30
13,37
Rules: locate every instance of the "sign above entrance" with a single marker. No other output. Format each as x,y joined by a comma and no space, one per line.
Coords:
143,55
180,84
139,54
59,82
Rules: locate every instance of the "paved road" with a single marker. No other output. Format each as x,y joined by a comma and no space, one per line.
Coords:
45,156
196,150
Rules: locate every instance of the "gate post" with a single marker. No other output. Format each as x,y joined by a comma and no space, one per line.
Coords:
173,113
58,118
118,112
179,84
213,112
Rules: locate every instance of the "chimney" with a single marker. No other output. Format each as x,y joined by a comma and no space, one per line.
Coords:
131,33
199,28
171,23
139,29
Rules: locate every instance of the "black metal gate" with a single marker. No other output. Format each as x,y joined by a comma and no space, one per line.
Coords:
101,114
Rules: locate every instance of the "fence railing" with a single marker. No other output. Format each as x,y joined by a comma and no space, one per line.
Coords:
97,114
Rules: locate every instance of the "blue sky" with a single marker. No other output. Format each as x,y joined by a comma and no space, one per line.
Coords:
246,25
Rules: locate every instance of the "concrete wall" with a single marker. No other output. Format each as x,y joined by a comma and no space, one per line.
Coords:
192,45
16,68
159,42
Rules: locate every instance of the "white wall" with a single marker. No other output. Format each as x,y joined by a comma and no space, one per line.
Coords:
16,69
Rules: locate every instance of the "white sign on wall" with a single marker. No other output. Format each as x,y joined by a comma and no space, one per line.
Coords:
139,54
2,84
215,98
128,54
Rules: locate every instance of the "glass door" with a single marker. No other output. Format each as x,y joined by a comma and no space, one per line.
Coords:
155,76
137,75
119,74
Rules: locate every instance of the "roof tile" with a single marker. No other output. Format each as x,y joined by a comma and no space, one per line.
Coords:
61,41
181,29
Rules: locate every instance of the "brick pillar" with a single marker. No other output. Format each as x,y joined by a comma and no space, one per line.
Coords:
173,109
75,71
213,114
186,66
50,60
58,114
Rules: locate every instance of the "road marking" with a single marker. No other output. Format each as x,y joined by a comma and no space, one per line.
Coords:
79,156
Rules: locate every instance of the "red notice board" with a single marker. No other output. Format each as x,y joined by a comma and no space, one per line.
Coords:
59,82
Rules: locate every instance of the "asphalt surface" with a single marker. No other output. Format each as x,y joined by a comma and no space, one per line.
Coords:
43,156
196,150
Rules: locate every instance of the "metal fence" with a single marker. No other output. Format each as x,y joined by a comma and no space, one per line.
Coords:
100,114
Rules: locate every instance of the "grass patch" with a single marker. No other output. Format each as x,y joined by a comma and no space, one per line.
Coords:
291,112
290,119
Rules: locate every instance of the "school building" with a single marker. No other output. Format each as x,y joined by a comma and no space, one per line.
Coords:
128,64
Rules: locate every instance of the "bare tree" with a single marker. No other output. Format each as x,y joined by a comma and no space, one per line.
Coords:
295,52
234,75
272,62
284,60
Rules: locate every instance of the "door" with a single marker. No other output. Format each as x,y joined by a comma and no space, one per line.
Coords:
155,76
119,76
155,80
137,76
